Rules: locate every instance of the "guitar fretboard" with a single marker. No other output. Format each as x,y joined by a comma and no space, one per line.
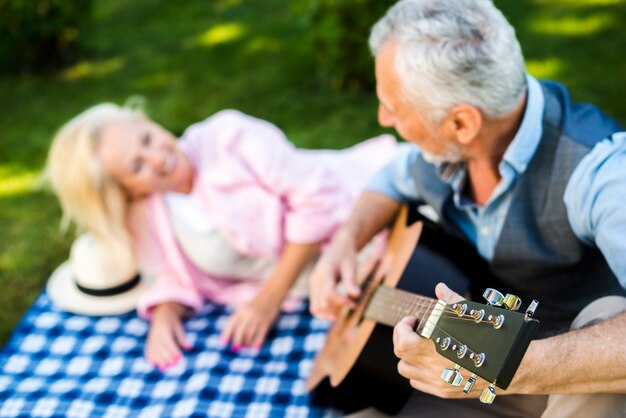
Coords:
389,305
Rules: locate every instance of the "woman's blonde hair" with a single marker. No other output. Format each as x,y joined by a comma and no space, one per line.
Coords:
89,197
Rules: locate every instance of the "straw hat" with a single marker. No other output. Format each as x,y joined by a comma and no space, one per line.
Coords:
89,283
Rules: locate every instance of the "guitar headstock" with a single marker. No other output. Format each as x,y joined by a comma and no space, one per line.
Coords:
487,340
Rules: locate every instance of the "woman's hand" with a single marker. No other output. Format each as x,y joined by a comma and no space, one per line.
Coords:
249,325
167,335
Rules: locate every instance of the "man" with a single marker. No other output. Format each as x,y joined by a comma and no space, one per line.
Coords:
534,181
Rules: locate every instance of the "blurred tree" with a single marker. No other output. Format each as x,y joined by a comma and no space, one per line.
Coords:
38,34
339,30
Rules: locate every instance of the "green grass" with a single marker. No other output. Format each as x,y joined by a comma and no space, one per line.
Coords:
190,59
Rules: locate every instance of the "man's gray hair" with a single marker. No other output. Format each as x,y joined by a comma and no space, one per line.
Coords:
452,52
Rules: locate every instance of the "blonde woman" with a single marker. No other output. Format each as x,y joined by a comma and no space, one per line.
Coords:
232,212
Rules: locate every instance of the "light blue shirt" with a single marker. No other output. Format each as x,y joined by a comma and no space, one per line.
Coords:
595,198
592,197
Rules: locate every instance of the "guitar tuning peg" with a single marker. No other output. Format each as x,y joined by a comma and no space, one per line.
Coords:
512,302
530,311
488,394
493,297
470,383
452,376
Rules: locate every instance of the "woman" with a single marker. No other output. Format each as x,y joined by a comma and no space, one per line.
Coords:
231,212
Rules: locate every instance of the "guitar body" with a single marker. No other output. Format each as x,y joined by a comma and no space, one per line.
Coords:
358,357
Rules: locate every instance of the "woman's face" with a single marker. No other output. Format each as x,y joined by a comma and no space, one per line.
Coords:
144,158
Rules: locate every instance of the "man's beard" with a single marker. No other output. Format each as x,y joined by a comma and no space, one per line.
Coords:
450,156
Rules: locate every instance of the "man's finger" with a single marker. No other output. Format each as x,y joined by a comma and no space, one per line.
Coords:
446,294
348,279
405,327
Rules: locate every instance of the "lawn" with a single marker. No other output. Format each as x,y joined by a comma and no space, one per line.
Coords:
190,59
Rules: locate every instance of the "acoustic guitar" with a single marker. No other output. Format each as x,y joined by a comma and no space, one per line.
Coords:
487,340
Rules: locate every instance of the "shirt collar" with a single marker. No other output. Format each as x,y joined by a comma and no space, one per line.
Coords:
521,150
523,146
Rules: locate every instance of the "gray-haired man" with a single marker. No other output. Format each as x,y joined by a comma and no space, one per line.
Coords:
533,180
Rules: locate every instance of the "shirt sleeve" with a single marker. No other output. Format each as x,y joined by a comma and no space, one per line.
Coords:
165,284
314,201
594,199
395,179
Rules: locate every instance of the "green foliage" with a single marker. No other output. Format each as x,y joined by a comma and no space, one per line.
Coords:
190,59
339,31
39,33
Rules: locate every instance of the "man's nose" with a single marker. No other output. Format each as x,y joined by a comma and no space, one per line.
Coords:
385,118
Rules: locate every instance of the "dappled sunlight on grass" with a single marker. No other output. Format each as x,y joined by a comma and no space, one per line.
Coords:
190,59
582,4
223,5
573,26
262,44
547,68
93,69
159,79
219,34
18,183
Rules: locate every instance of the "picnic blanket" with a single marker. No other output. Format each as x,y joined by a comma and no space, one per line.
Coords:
63,365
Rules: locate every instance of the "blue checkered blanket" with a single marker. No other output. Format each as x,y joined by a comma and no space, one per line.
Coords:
62,365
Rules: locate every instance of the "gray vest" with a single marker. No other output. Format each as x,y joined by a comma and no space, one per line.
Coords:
537,255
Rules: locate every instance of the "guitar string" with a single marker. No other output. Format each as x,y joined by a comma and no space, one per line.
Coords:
407,298
423,306
412,305
409,304
454,340
451,336
448,314
408,307
418,307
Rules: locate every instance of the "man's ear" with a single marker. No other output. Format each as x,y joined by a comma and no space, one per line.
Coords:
465,122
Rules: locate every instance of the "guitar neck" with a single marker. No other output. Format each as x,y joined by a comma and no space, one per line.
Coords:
388,306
